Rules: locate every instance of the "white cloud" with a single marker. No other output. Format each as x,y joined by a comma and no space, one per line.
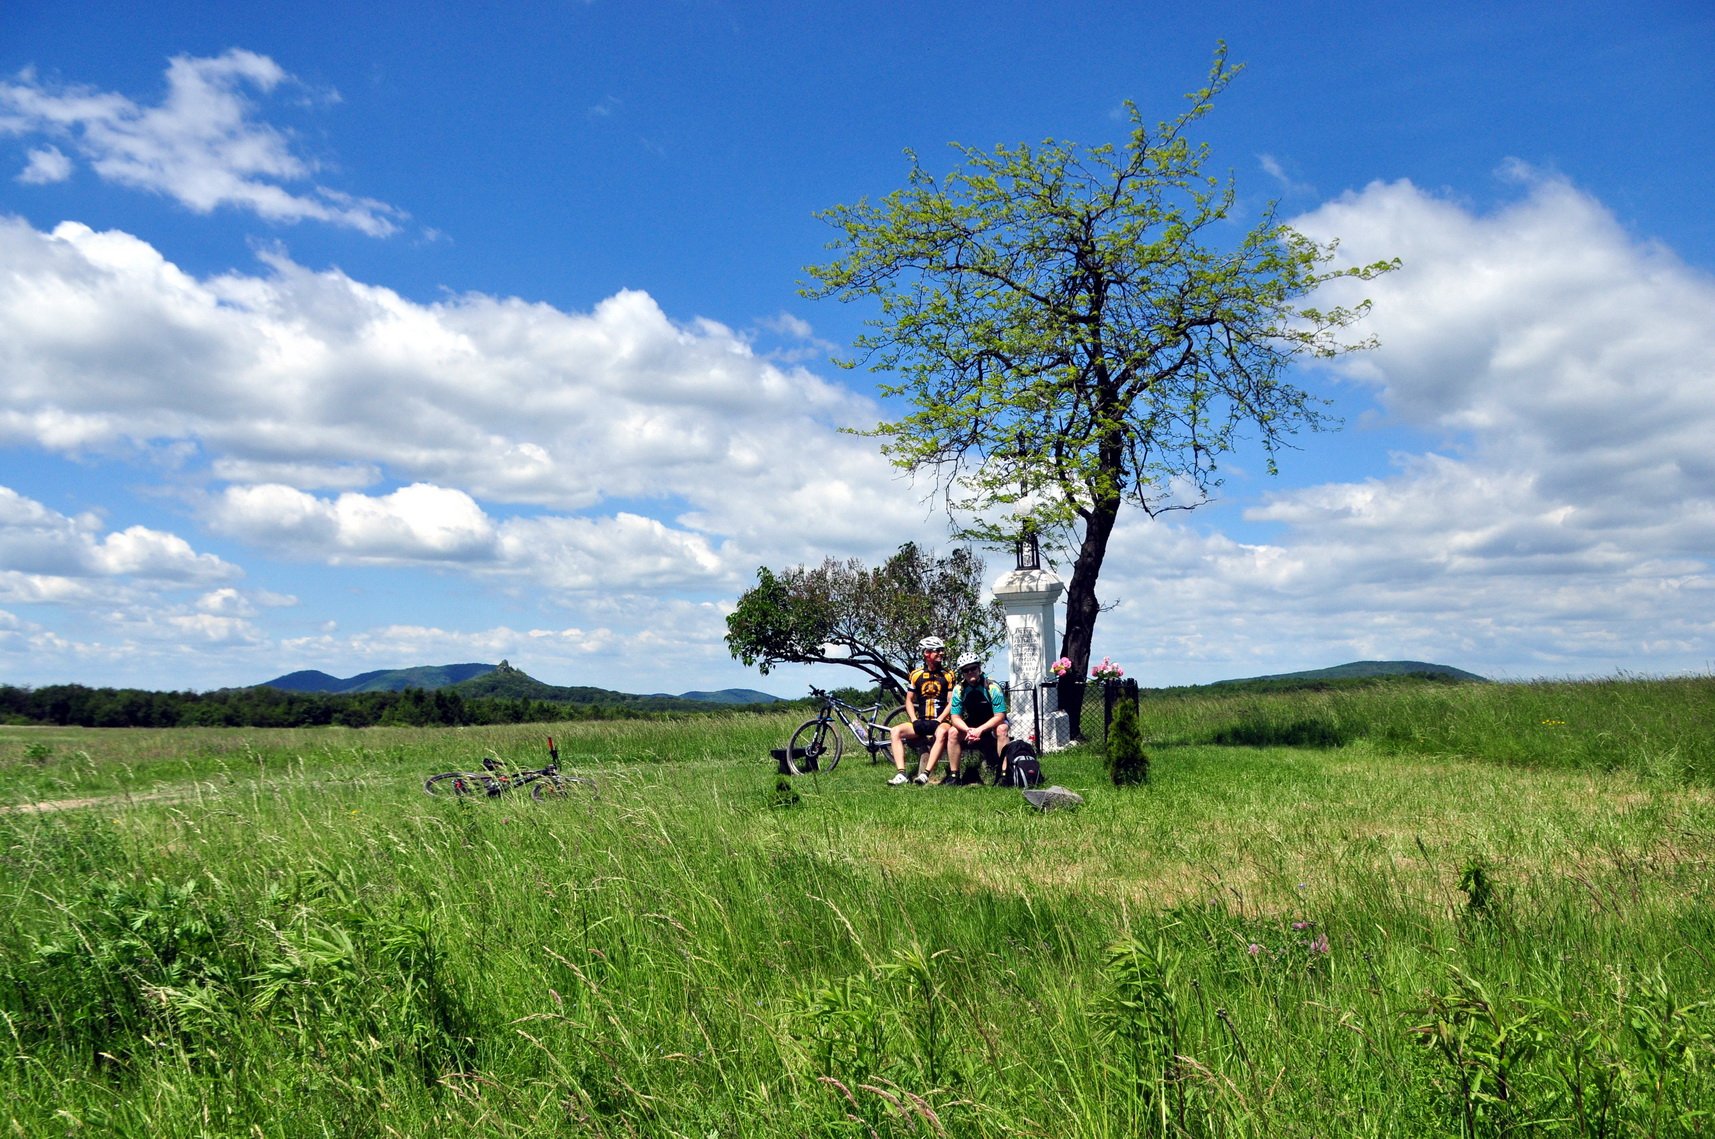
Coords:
624,552
225,602
1289,185
293,381
47,165
45,553
202,628
125,585
1566,525
202,145
141,552
307,476
624,470
435,525
415,523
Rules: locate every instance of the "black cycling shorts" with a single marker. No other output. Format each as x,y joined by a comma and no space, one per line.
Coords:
925,729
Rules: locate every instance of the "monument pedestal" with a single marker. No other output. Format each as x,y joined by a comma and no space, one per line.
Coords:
1028,597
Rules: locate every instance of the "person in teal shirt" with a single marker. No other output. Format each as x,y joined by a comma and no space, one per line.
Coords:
978,709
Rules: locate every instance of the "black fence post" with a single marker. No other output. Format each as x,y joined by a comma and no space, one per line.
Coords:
1112,692
1072,700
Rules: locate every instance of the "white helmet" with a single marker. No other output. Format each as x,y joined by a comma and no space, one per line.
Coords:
931,644
968,660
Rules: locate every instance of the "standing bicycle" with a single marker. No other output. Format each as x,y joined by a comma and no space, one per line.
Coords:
818,743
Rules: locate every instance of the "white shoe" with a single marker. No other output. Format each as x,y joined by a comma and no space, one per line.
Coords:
921,778
898,779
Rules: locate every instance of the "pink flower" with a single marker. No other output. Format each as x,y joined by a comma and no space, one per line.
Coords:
1253,949
1320,945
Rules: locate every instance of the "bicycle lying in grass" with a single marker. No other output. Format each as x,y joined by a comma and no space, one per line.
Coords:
546,783
817,744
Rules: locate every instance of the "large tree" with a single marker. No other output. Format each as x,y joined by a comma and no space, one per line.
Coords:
1081,328
844,612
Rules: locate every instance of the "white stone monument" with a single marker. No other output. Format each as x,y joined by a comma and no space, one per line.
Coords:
1028,594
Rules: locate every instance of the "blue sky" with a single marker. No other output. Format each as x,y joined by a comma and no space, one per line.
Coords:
353,337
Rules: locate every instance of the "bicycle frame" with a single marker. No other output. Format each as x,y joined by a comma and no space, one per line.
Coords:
494,780
817,743
861,722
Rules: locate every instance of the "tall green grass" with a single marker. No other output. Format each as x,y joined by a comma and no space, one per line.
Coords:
1657,727
1378,938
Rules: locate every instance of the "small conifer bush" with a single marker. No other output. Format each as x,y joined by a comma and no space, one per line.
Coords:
1127,762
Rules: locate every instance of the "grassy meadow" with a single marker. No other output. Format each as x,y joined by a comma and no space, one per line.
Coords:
1406,909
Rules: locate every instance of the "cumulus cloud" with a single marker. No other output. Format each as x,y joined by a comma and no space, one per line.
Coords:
202,145
1563,522
127,584
44,552
415,523
434,525
628,472
290,382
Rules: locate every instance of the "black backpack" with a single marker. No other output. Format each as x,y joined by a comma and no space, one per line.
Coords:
1023,768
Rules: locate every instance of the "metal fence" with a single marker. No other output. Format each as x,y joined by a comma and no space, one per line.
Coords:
1095,702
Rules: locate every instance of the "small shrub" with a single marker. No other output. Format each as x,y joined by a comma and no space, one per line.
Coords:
1477,880
1128,764
784,795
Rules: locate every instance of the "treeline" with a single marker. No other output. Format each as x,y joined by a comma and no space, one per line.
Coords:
262,707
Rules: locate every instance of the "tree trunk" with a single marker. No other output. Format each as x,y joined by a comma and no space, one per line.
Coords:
1082,609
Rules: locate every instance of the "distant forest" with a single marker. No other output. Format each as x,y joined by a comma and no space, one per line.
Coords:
263,707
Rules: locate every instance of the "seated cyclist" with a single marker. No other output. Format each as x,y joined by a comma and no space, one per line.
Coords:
978,709
925,712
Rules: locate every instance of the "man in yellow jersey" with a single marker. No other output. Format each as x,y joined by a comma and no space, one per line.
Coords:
925,724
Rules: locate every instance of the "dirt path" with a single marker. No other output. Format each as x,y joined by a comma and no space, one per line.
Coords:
47,806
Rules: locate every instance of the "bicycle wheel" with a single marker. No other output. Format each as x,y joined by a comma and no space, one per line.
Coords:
557,788
880,733
815,746
456,783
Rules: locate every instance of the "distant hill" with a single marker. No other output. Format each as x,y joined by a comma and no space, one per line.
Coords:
731,696
381,680
1365,670
502,681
